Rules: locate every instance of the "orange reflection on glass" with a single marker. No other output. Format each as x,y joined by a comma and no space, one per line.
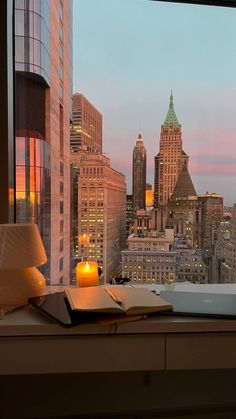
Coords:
11,195
32,198
37,179
20,195
84,239
37,153
32,152
32,178
20,151
149,197
20,178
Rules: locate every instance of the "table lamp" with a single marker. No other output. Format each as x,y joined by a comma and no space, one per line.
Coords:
21,250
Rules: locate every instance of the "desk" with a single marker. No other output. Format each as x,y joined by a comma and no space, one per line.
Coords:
134,367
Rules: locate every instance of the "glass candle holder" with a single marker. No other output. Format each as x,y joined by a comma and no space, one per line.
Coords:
87,274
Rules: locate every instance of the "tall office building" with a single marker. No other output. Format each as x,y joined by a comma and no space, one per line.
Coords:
148,260
170,160
184,210
101,210
129,213
212,214
86,128
43,85
228,271
220,252
141,224
139,175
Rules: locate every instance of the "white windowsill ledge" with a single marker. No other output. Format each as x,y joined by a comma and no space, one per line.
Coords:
32,344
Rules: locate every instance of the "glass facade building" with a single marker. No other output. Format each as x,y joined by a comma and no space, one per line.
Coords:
33,187
32,37
42,123
33,152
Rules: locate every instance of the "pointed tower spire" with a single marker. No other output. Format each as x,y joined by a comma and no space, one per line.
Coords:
139,140
171,118
171,100
184,186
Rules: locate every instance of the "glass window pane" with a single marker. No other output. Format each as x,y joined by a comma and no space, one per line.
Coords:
32,151
37,21
37,179
19,4
20,178
19,23
32,179
20,151
19,49
37,52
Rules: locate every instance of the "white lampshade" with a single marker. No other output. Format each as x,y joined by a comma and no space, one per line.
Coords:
21,251
21,246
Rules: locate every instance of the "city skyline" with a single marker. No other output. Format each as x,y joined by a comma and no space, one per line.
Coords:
128,76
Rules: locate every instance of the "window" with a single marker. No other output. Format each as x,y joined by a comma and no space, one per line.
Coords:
61,264
202,100
61,226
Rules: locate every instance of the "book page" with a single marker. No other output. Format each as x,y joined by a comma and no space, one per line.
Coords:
139,300
92,299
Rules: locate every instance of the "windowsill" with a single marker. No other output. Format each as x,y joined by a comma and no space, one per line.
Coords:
27,321
28,325
193,357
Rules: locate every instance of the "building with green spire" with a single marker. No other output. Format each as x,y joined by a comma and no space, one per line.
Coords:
171,118
171,159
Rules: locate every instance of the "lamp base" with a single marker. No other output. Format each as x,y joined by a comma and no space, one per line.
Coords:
17,285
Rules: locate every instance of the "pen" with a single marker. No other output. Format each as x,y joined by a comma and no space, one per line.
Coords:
113,296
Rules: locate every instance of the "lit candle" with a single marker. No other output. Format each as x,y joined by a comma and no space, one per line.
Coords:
87,274
84,239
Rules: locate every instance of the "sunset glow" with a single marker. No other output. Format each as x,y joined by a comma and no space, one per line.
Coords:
139,65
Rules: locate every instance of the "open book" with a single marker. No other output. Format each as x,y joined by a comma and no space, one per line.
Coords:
116,299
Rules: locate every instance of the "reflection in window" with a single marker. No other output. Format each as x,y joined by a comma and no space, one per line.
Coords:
33,187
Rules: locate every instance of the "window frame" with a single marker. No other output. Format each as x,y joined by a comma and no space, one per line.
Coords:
7,128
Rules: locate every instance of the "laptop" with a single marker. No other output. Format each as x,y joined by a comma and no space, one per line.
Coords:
201,303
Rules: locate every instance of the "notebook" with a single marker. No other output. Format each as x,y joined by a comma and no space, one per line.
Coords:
201,303
120,299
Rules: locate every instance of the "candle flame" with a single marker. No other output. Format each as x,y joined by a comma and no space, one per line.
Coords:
87,265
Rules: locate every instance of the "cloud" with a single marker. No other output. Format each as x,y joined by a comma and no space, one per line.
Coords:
121,164
198,168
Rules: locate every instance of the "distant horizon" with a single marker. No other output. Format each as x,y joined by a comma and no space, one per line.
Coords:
127,66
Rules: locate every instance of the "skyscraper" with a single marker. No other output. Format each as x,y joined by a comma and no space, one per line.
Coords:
184,210
43,85
228,273
212,214
86,135
101,210
171,158
148,260
86,129
139,175
129,213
